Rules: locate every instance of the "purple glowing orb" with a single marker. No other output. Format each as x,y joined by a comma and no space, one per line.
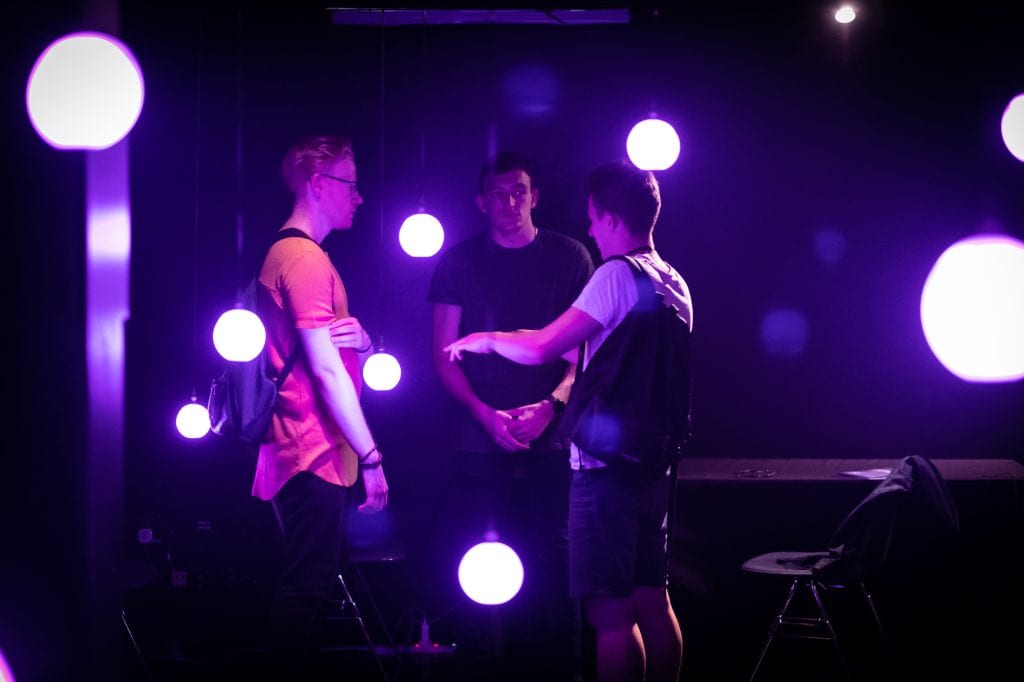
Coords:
85,92
193,421
6,675
421,235
972,309
382,371
653,145
1012,127
491,573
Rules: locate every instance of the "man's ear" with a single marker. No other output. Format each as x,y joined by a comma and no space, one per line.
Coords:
316,185
481,204
534,193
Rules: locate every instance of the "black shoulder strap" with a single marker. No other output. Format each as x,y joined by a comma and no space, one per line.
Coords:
290,232
294,356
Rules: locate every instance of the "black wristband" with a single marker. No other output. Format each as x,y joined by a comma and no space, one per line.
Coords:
557,405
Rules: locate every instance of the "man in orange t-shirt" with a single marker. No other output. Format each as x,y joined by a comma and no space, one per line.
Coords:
319,442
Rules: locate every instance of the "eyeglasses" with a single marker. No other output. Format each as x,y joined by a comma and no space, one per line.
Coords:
351,183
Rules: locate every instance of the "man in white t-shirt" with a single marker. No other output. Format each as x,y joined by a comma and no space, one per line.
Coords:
617,558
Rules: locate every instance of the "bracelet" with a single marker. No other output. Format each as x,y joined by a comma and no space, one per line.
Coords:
363,458
363,350
372,465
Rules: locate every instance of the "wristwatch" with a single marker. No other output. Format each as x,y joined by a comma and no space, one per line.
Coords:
557,405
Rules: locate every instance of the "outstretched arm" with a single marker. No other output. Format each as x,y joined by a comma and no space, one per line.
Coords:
531,347
335,387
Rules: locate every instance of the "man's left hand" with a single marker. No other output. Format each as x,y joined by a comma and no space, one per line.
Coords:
346,332
529,421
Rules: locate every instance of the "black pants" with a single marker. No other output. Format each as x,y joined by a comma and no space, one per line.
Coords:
312,515
523,497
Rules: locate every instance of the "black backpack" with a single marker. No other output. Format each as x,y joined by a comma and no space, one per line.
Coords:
631,406
243,397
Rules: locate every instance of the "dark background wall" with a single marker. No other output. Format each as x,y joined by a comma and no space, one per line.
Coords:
887,137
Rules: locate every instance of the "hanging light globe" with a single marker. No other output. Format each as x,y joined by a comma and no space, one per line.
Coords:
972,309
193,420
85,91
491,573
381,372
421,235
239,335
653,145
1012,127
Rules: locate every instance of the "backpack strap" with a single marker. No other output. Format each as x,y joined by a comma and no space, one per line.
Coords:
289,363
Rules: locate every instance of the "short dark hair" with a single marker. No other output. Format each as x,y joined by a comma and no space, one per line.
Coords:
313,155
622,189
503,162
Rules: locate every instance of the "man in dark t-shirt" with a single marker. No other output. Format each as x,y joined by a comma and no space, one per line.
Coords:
511,463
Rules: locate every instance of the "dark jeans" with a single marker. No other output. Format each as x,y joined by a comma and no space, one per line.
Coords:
312,516
524,498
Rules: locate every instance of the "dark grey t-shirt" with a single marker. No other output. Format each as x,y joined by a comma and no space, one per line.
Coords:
501,289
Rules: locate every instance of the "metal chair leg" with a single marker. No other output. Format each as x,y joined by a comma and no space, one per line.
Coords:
828,626
776,623
135,645
362,626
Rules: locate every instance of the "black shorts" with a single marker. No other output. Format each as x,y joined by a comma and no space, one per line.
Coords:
616,532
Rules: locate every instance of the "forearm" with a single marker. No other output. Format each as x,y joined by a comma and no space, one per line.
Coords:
524,347
457,384
334,386
342,403
565,385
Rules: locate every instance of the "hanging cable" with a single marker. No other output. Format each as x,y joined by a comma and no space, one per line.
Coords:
380,169
195,215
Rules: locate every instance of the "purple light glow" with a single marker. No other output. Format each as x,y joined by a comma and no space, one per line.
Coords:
239,335
1012,127
421,235
653,145
845,14
784,332
491,573
531,89
85,91
830,246
972,309
193,421
5,670
381,372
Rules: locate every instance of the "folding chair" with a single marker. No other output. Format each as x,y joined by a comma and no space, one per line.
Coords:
913,497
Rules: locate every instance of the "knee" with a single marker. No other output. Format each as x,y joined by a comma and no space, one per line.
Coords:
609,614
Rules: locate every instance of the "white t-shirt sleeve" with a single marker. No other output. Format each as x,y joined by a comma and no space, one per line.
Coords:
609,295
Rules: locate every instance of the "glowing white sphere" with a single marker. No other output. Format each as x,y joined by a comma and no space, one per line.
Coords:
85,92
6,674
845,14
653,145
239,335
193,421
1012,127
491,573
382,371
972,309
421,235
